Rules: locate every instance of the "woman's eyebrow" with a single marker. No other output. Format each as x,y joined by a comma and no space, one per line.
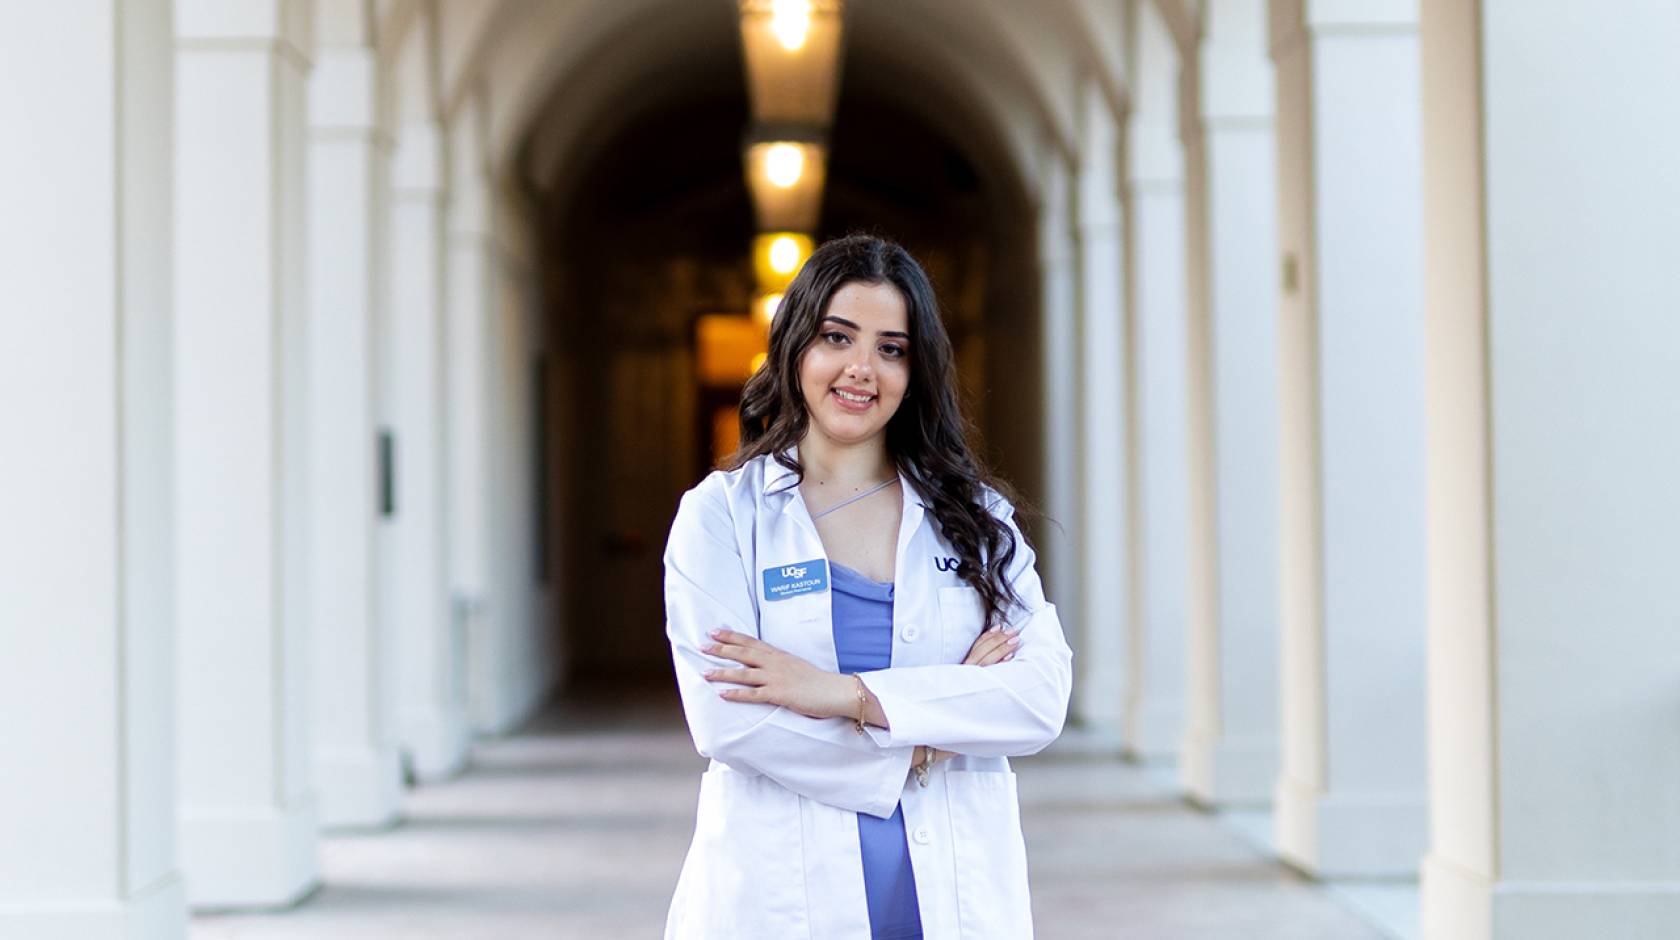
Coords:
845,322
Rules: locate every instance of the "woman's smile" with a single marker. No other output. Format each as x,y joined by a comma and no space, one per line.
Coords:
853,400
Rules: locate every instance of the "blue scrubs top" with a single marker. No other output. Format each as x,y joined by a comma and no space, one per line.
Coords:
863,635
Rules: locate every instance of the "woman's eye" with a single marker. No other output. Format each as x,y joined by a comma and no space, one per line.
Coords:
892,350
835,336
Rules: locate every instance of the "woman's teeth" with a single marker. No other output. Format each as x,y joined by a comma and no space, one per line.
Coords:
848,396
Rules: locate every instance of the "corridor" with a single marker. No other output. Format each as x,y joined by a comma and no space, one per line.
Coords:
575,827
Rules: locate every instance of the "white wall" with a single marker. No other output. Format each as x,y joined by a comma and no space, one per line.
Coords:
1230,748
1156,269
1351,792
356,765
1555,384
248,812
87,598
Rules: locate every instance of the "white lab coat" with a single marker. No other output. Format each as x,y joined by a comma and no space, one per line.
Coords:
775,852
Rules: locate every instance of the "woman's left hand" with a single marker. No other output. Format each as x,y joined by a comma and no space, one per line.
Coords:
774,677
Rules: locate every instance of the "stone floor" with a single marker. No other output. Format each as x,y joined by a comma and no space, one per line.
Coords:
576,826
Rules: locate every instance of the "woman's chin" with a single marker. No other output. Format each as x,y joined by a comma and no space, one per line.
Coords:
847,429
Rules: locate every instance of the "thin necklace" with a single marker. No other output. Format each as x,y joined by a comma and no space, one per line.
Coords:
852,499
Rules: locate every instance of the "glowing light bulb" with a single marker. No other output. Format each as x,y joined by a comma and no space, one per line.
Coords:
768,305
784,163
790,20
784,255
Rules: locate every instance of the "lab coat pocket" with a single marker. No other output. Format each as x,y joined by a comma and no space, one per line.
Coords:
748,877
960,618
990,855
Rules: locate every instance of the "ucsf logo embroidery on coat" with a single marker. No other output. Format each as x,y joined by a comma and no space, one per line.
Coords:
947,564
803,577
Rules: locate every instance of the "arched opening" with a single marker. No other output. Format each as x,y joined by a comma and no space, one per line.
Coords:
644,225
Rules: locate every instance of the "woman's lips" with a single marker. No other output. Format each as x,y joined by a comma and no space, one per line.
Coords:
855,407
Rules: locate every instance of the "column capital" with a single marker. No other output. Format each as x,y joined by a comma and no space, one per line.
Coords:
284,25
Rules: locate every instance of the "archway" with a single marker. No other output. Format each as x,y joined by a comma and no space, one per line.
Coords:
633,163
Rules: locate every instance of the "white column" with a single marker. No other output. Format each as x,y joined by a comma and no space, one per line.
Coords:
1155,210
248,812
357,772
413,557
1230,744
521,577
1350,795
470,256
1551,137
87,845
1104,368
1093,694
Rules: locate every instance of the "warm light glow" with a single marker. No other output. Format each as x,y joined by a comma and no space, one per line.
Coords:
767,307
725,344
790,20
784,163
784,254
777,258
758,361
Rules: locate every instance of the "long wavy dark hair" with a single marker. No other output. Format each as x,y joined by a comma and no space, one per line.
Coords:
927,438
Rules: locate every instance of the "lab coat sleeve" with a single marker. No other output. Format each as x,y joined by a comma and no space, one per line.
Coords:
1007,709
706,587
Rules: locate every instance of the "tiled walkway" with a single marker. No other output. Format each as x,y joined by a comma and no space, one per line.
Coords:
576,827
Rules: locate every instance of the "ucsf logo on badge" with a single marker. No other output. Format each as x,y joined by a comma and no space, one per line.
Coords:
801,577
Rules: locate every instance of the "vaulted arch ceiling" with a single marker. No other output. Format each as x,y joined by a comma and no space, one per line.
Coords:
997,72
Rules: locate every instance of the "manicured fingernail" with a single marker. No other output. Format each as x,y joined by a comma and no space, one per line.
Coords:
716,634
1014,644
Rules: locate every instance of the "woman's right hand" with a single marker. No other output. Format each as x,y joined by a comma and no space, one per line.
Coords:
992,647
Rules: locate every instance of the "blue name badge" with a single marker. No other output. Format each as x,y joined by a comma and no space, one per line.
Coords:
803,577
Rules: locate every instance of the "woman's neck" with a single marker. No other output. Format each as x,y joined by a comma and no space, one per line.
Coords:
844,466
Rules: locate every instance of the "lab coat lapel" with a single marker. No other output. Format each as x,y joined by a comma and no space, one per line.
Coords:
802,625
904,570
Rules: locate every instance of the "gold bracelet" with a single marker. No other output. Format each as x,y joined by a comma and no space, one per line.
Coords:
926,765
863,703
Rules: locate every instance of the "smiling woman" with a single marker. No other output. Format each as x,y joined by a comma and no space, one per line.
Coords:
827,643
859,363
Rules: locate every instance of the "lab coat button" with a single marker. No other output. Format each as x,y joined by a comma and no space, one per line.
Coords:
910,633
922,836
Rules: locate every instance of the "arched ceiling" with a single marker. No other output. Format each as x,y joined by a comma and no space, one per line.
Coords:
1001,74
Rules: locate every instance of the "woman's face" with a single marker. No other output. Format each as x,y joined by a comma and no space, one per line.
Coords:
854,374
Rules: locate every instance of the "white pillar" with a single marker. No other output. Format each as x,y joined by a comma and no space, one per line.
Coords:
1230,744
354,739
1551,137
470,256
521,581
1094,691
248,812
88,845
1350,795
1155,210
1104,452
413,557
